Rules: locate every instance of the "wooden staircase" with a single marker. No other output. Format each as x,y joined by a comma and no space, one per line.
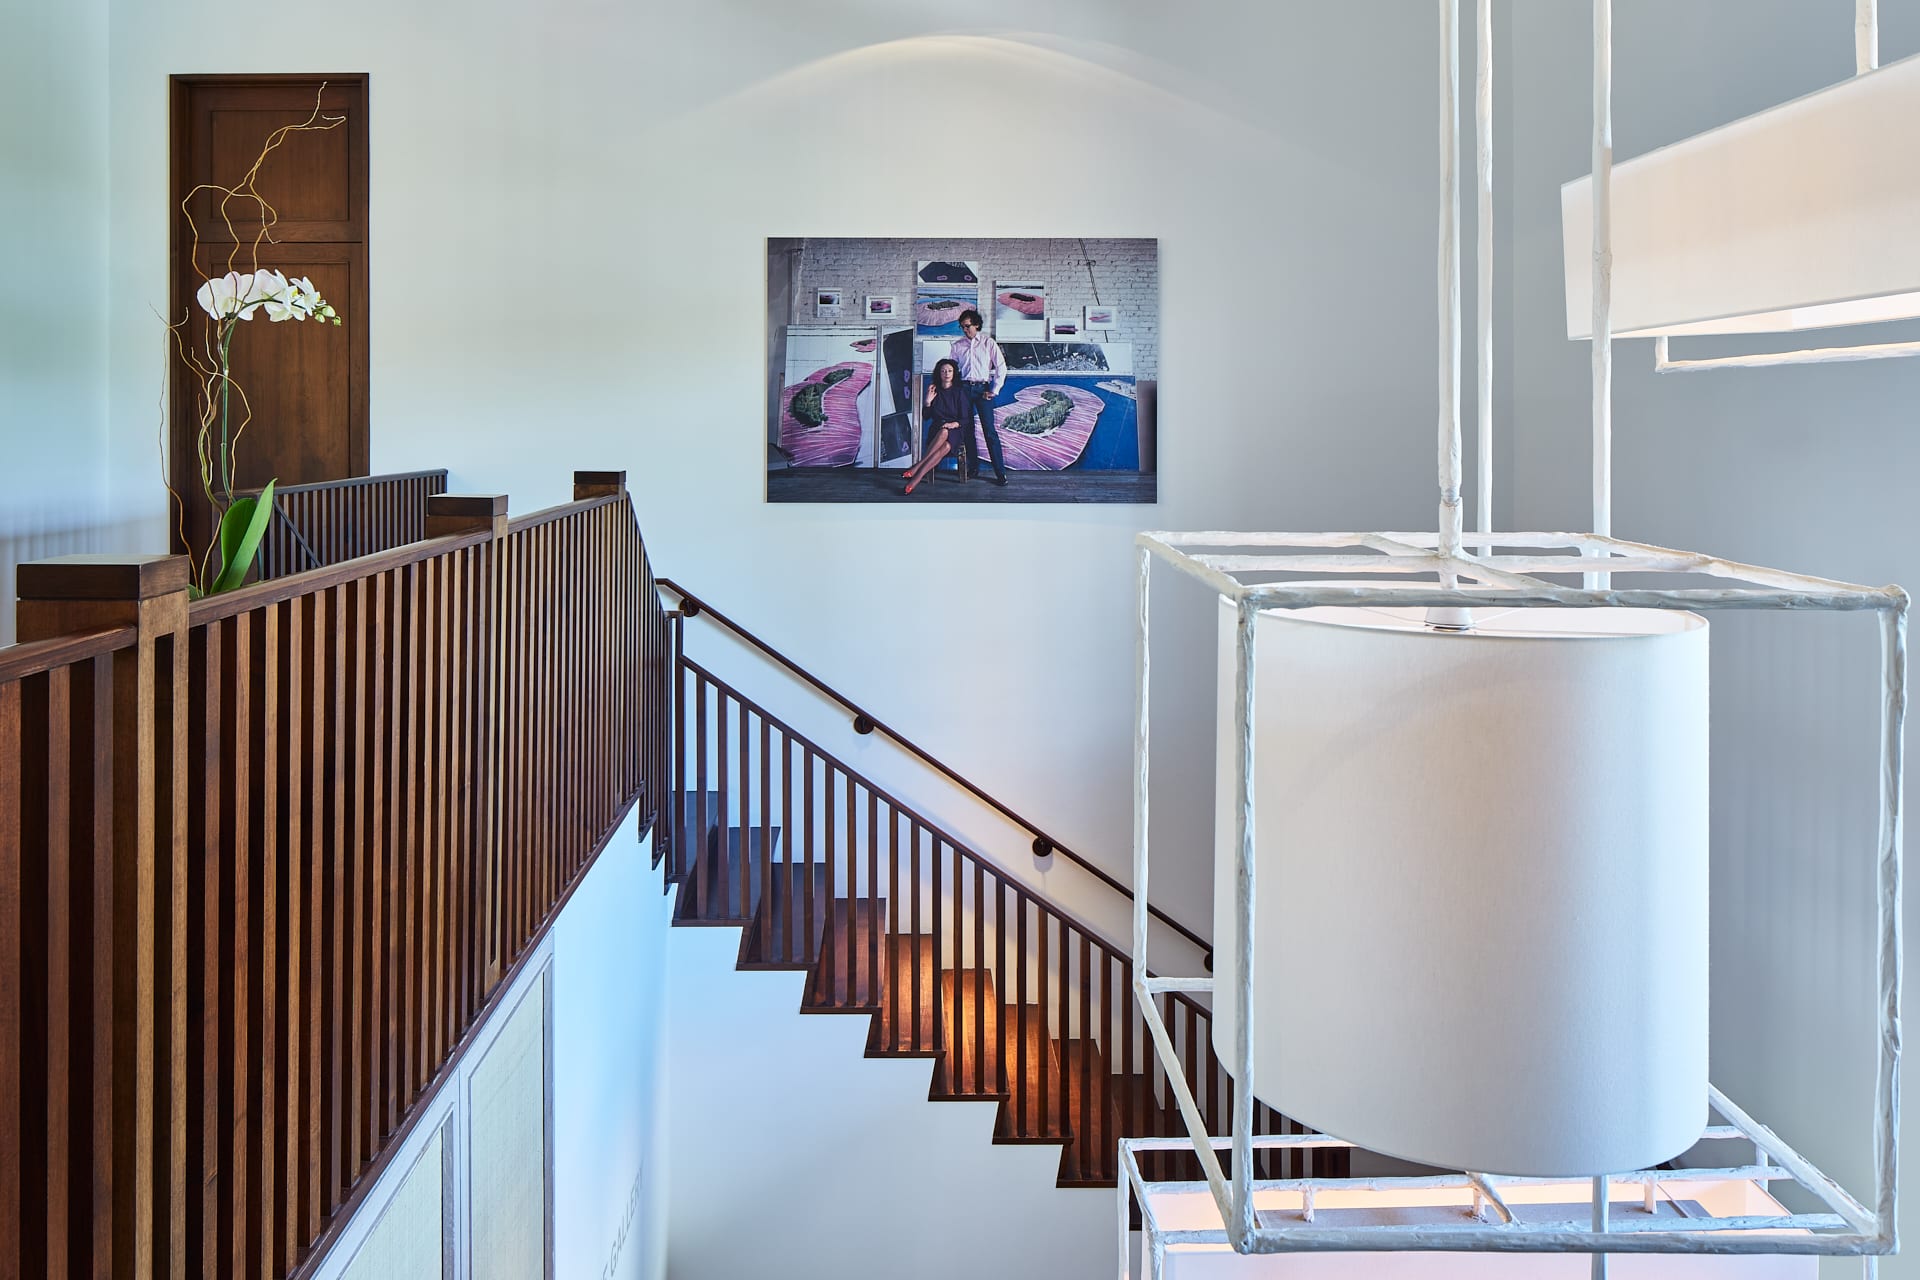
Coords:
949,956
1050,1088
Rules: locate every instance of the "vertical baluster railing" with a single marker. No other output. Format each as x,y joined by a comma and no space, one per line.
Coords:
885,980
763,911
1027,1121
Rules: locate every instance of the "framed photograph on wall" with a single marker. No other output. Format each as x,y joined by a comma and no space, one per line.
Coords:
1099,318
847,413
1019,309
828,301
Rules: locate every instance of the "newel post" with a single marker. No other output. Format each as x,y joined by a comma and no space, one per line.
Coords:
598,484
136,905
449,515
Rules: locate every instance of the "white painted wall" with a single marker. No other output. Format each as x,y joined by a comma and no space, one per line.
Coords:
795,1155
607,960
53,289
610,1118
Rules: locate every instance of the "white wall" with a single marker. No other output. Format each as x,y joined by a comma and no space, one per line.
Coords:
610,1121
795,1155
600,976
53,290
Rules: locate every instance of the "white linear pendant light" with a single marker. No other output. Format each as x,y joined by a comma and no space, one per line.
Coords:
1803,216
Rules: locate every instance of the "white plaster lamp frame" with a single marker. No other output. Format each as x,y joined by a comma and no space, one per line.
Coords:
1510,571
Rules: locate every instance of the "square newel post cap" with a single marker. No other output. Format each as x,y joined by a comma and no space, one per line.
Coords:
598,484
455,513
66,594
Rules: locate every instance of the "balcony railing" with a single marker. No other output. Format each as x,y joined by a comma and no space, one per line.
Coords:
266,857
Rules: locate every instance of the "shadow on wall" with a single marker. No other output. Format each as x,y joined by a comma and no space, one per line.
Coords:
30,538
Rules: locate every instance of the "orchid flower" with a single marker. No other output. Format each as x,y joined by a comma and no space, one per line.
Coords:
271,288
231,295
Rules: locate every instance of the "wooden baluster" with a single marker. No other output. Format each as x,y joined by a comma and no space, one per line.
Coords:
1044,976
912,953
1000,975
1108,1044
979,973
724,768
913,922
832,926
855,991
1020,1006
745,822
290,693
799,950
48,809
937,893
1086,1054
138,1008
698,854
875,976
678,851
766,907
353,858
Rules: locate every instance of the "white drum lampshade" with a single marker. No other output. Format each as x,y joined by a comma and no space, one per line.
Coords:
1481,870
1799,217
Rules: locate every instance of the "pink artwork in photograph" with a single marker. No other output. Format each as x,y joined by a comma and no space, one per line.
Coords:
1031,305
820,416
1046,428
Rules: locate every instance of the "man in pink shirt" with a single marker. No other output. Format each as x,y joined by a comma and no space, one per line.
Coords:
983,370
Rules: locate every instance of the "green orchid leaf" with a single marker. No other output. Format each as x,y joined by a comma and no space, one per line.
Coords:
241,531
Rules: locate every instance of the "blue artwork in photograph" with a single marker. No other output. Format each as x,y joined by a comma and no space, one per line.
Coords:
936,312
1055,422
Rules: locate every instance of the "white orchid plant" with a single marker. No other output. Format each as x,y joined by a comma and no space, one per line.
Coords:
229,301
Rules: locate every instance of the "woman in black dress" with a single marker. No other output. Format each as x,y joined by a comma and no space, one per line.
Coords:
945,409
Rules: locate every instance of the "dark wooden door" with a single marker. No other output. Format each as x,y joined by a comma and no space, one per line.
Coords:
305,382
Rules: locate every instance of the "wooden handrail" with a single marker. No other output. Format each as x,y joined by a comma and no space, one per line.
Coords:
535,519
279,590
265,858
354,482
866,722
19,661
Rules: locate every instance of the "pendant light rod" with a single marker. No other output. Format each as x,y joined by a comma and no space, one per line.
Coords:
1866,36
1600,1224
1449,279
1483,140
1602,276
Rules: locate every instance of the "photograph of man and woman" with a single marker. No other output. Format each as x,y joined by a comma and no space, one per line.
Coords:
944,410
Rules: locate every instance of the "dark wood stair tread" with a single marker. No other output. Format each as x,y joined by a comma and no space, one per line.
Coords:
1093,1116
712,894
849,972
896,1031
971,1019
789,922
1036,1107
